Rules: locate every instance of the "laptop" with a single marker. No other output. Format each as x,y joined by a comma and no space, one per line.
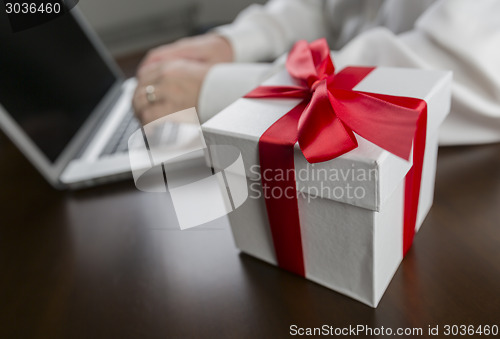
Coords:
65,103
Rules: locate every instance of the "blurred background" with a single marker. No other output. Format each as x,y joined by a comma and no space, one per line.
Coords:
129,26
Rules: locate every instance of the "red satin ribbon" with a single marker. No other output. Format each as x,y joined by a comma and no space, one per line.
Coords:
324,123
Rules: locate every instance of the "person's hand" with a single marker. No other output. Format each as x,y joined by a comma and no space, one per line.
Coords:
208,48
170,76
168,87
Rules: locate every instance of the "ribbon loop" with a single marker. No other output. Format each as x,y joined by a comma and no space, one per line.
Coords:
321,134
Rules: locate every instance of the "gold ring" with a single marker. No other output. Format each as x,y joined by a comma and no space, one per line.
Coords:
150,94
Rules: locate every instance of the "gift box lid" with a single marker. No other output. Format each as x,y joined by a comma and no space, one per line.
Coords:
365,176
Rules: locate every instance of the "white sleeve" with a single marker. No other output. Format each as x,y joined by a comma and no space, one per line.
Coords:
220,88
264,32
460,35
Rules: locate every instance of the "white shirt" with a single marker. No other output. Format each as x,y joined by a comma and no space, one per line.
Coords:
461,35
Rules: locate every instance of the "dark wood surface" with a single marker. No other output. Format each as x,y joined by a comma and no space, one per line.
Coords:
108,262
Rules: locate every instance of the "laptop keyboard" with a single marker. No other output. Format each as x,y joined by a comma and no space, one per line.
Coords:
118,143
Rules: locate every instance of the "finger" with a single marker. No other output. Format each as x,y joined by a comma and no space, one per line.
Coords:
155,112
141,102
137,105
166,72
152,76
155,55
167,53
136,101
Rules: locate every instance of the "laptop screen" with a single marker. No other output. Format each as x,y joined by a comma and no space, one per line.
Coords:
51,79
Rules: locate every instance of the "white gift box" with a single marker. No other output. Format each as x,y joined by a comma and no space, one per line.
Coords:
351,207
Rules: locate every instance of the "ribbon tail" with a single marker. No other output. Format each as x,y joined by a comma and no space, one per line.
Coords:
413,181
276,152
387,121
395,124
278,92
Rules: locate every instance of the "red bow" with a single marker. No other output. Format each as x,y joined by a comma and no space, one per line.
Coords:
324,124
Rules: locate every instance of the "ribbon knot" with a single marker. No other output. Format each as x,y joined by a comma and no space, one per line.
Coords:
316,83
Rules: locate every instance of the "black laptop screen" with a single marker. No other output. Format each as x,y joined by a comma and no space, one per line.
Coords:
51,78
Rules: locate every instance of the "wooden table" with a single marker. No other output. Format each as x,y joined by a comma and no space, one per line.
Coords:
108,262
